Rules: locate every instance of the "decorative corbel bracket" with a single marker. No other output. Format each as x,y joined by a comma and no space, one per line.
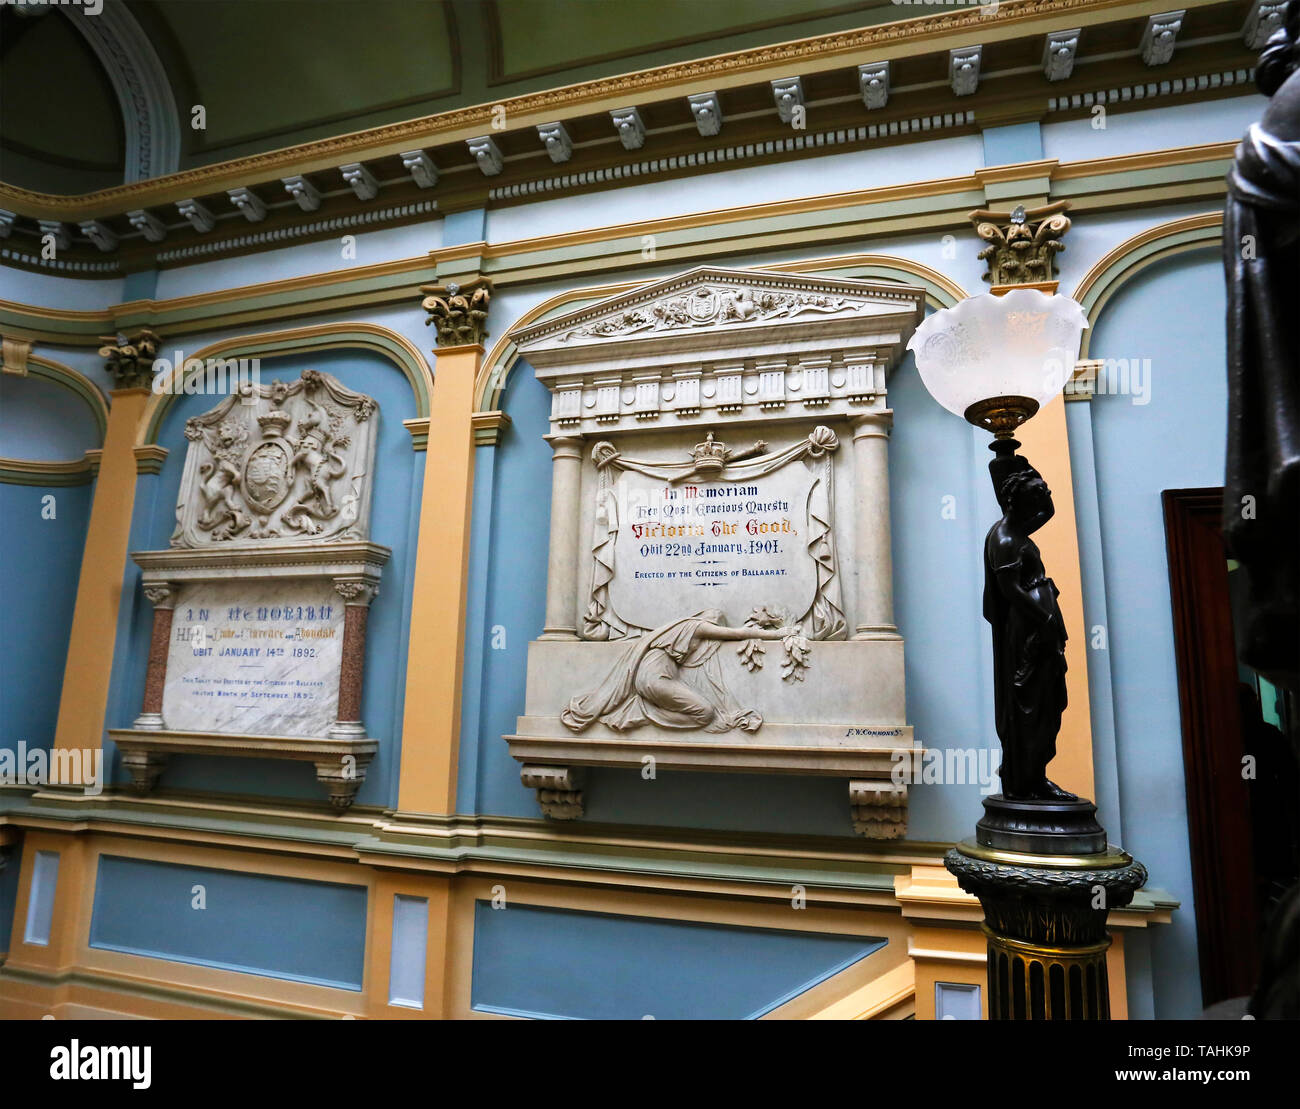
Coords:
556,140
1160,36
874,81
707,110
879,809
630,128
559,789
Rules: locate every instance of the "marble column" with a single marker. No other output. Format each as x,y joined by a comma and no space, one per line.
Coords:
871,514
357,596
163,597
562,569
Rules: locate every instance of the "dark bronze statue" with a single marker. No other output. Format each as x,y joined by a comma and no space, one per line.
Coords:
1028,632
1261,497
1261,250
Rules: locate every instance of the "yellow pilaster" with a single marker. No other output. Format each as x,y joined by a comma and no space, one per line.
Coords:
435,655
1045,442
84,700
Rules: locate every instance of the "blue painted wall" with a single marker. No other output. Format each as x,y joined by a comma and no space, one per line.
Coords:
538,962
148,908
394,507
1172,314
44,421
38,591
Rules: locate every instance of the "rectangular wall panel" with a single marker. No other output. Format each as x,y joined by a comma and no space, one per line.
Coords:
40,903
302,930
410,946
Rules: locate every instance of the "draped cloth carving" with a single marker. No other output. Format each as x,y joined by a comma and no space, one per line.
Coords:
671,678
712,462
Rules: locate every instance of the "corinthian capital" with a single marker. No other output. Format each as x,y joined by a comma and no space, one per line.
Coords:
459,313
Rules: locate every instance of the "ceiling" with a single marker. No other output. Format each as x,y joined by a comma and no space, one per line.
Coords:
274,73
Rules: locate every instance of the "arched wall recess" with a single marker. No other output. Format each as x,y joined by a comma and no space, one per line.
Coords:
1120,265
331,336
76,471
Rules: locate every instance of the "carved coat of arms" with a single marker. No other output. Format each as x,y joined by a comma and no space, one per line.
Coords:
284,462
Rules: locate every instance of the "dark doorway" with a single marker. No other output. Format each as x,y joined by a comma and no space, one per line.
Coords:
1240,767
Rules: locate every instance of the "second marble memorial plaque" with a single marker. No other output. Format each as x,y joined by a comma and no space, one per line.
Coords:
255,658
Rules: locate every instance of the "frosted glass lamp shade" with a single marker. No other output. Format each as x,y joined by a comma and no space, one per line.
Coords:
1005,354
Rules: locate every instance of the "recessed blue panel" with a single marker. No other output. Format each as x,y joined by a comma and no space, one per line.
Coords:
41,557
290,928
564,964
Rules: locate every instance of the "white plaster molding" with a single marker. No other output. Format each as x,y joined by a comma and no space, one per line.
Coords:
149,114
717,329
100,234
303,192
1059,50
360,180
630,128
57,229
249,203
787,92
1160,36
707,112
294,231
149,225
1152,90
556,140
964,69
486,153
1265,17
873,79
197,214
421,168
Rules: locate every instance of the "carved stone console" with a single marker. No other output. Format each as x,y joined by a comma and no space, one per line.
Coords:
261,601
720,593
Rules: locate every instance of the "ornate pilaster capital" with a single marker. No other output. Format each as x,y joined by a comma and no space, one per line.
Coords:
458,312
161,594
356,591
874,424
1023,243
129,358
564,446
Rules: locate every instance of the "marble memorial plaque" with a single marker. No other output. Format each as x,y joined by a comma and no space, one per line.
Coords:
259,658
724,544
732,529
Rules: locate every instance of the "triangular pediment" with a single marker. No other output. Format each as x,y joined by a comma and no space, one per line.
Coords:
711,300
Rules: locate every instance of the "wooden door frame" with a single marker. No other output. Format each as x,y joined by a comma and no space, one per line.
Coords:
1218,800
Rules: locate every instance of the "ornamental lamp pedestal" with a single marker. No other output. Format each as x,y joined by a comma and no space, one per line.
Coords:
1039,861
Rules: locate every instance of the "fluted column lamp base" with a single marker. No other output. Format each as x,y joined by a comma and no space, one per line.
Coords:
1045,921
